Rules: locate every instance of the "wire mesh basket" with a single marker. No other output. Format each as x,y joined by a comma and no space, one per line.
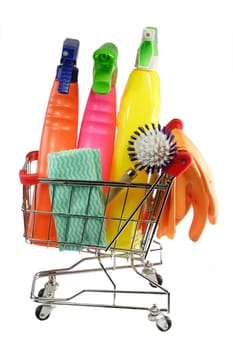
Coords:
79,215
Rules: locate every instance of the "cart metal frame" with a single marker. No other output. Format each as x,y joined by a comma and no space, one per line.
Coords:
133,259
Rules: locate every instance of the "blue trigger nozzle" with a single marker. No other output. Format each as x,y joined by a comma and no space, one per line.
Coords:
67,72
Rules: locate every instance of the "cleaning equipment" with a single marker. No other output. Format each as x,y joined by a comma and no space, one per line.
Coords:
194,188
73,231
139,105
151,148
154,150
204,171
99,120
59,133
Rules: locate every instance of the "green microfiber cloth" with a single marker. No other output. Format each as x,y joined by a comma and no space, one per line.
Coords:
83,200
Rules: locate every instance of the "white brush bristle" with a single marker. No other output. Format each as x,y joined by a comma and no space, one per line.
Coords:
152,149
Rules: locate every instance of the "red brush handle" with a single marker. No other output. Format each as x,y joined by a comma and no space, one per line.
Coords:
182,161
175,124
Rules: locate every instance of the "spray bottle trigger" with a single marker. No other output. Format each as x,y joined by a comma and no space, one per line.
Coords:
105,68
67,71
148,50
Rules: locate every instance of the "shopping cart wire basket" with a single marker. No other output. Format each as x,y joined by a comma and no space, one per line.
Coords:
83,221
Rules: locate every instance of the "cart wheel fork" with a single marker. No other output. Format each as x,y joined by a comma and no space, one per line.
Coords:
150,273
162,321
47,293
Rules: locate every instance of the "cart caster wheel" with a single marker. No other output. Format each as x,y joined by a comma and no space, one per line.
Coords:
162,321
164,324
159,279
42,312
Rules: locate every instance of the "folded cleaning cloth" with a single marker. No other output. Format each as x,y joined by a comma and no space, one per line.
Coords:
78,209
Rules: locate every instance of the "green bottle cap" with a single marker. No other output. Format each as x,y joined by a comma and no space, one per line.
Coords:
105,68
147,53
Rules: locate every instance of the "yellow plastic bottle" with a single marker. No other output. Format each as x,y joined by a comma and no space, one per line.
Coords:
139,105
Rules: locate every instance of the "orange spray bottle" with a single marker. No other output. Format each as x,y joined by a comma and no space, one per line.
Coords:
59,133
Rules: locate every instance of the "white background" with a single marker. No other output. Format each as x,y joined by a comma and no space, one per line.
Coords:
195,68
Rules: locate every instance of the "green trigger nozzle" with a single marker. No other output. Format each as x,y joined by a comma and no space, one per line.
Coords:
148,49
105,68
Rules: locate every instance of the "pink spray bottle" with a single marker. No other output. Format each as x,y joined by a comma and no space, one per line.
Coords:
98,125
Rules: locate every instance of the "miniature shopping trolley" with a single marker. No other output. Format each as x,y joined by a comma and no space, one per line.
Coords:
107,240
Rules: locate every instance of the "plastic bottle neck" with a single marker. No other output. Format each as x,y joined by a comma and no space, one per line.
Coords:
74,74
151,67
